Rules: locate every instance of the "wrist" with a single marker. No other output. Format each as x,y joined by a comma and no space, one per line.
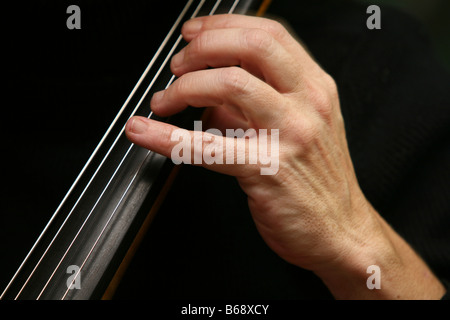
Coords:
381,266
347,277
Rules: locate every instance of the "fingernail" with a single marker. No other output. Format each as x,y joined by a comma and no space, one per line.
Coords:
138,126
192,27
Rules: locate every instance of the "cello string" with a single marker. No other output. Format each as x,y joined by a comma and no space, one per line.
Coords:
123,158
171,52
124,106
236,2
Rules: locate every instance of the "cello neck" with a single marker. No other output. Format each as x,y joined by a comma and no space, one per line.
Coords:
85,246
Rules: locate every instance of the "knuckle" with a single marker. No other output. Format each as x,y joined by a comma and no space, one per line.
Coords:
167,133
275,28
197,147
330,87
202,143
322,102
322,96
309,131
199,43
259,40
235,80
330,83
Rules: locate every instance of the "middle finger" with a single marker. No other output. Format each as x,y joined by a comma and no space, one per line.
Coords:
255,50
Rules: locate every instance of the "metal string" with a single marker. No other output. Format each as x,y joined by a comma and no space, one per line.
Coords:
133,92
200,5
109,151
236,2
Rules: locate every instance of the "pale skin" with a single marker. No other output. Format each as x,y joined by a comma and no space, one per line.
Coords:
312,212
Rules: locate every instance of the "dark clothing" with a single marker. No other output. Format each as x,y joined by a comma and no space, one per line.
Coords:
395,100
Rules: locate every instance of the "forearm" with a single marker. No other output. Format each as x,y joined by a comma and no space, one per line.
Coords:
402,273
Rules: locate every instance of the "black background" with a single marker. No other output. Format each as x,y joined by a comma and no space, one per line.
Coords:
63,87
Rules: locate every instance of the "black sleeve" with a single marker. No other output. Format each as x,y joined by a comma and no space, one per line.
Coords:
446,284
395,99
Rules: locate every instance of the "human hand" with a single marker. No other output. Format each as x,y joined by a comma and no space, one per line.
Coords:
253,74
